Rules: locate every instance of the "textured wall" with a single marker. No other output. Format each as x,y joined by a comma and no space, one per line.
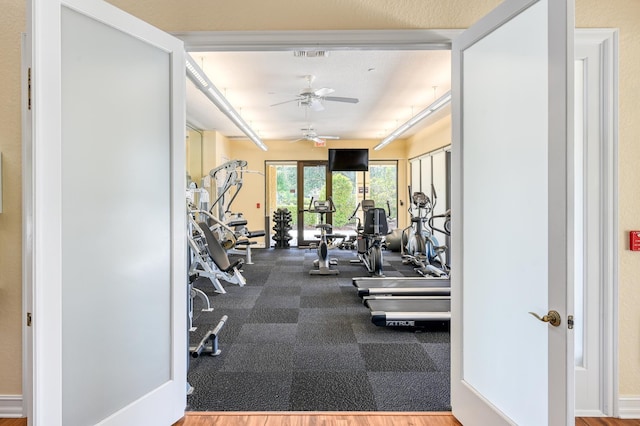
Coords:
244,15
625,15
172,15
12,24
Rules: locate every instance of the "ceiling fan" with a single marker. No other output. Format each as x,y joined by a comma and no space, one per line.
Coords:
309,134
312,98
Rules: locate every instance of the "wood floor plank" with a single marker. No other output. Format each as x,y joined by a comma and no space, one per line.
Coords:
338,419
606,421
318,419
13,422
352,419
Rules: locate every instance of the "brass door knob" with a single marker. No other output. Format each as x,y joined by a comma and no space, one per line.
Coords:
553,318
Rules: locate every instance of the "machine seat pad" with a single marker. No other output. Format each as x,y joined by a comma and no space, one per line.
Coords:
214,248
336,236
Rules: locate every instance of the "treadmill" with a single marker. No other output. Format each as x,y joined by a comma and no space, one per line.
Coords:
402,286
409,312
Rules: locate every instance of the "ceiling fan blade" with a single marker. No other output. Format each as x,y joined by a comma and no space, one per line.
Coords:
286,102
297,140
323,91
341,99
330,137
317,140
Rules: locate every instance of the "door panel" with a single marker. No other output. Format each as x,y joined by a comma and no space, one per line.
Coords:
312,184
108,242
512,80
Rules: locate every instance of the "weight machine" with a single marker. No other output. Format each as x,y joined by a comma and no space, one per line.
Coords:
208,257
229,181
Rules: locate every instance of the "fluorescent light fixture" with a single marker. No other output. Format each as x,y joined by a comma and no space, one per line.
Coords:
436,105
200,79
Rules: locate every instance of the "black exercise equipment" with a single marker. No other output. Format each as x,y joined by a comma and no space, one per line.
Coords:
323,263
420,247
370,236
282,220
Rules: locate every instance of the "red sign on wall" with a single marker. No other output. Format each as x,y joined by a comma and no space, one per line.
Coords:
634,240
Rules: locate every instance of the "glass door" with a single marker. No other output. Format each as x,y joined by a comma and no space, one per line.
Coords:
312,185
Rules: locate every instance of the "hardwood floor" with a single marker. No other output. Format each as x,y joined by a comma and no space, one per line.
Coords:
352,418
338,419
318,419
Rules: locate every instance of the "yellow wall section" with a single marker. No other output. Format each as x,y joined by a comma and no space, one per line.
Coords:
11,25
253,190
433,137
245,15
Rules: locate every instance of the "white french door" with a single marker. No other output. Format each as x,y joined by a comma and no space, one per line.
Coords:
108,227
512,144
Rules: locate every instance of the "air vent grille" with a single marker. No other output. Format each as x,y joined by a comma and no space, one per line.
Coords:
311,53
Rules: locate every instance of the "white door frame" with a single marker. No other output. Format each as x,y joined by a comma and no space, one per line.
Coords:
602,47
441,39
367,39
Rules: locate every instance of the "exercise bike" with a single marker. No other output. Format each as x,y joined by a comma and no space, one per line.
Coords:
420,247
370,236
323,263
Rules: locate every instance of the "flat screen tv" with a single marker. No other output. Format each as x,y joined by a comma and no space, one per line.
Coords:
348,160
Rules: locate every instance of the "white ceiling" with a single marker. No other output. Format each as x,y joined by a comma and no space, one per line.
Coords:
391,85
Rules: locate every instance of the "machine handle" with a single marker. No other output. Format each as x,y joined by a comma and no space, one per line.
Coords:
354,212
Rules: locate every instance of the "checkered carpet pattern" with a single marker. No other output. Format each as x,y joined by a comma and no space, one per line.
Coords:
295,342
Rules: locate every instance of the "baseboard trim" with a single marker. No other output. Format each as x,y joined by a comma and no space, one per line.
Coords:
11,406
629,407
590,413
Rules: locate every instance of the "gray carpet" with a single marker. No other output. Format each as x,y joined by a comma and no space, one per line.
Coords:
295,342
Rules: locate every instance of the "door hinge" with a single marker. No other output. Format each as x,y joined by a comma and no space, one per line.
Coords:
28,319
29,88
570,322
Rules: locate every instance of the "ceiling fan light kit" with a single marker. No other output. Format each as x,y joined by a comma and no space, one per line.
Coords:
435,106
202,82
309,134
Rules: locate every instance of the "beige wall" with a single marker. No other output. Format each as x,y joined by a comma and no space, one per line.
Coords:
435,136
11,24
190,15
253,190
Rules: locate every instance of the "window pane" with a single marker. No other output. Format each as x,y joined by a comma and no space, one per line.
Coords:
383,189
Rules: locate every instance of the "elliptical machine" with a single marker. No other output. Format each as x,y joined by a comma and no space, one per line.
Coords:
323,263
370,236
419,246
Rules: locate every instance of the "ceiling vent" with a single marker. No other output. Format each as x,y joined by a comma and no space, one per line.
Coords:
311,53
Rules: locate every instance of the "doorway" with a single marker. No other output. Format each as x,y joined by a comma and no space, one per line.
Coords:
432,40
